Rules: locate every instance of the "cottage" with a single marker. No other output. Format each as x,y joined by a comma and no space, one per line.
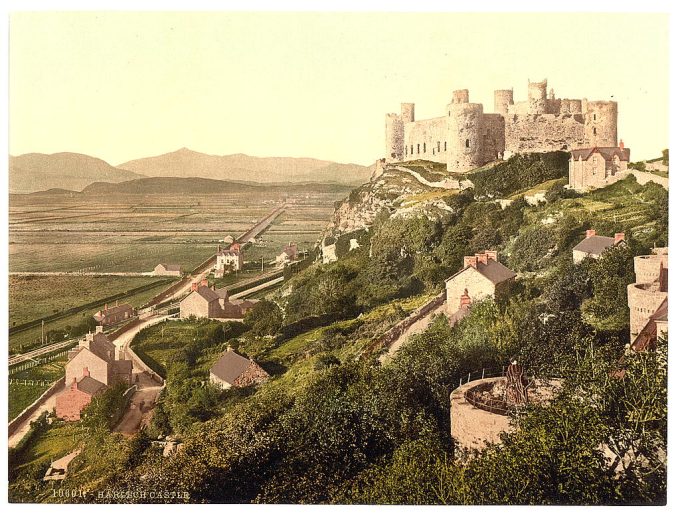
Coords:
109,316
233,370
482,276
205,302
93,365
168,270
594,245
596,167
230,260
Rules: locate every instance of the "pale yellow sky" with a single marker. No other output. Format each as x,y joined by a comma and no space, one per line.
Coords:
120,86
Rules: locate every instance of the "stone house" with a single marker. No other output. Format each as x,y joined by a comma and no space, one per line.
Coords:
93,365
205,302
113,315
648,299
233,370
230,260
594,246
168,270
482,276
596,167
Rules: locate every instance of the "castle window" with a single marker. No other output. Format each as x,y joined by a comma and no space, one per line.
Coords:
424,147
411,149
594,116
439,147
433,151
444,145
594,131
405,150
418,147
467,142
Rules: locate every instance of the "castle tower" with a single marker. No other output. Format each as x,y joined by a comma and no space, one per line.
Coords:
601,123
537,98
394,138
464,132
501,100
408,112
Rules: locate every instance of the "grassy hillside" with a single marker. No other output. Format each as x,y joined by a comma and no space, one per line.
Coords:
332,425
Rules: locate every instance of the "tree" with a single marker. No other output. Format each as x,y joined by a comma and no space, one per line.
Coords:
265,319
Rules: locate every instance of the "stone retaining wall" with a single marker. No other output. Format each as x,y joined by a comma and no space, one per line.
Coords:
19,420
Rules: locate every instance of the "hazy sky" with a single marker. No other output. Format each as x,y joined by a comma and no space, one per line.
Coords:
120,86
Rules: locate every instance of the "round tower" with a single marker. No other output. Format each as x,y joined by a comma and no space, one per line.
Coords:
464,133
537,98
394,137
408,112
501,100
601,123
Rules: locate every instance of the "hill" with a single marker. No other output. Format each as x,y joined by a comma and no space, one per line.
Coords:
187,163
70,171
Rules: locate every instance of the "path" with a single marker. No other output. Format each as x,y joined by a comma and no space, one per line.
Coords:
255,289
19,433
85,274
22,357
142,403
417,327
446,183
261,225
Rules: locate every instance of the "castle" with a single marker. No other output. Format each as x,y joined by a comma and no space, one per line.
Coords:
466,137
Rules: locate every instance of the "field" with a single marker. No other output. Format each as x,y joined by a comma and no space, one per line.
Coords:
37,297
20,396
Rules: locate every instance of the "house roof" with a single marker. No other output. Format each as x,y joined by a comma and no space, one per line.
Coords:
222,293
170,267
230,366
608,153
90,385
647,335
229,252
207,293
113,311
492,270
102,347
594,244
122,366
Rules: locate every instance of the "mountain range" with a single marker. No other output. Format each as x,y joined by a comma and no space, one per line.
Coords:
74,172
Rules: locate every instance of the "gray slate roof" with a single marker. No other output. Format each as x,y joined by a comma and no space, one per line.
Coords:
230,366
607,152
90,385
493,270
207,293
594,245
103,347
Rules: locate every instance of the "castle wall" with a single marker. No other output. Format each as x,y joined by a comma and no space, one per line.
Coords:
601,123
502,100
542,133
426,140
648,267
643,301
493,137
464,127
394,138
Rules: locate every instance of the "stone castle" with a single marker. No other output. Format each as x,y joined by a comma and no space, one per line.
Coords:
466,137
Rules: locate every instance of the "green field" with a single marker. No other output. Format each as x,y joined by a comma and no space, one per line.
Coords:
38,297
21,396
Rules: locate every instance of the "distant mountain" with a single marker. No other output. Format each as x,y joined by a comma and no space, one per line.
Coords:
188,186
187,163
70,171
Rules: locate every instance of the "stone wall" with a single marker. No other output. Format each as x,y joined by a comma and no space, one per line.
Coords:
643,301
644,177
543,133
425,140
19,420
478,286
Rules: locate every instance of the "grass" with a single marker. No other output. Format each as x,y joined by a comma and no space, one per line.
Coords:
21,396
537,188
428,196
31,298
52,444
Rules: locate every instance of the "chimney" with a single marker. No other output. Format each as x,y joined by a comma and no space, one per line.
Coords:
618,237
74,384
491,254
590,233
98,329
465,300
86,372
204,282
621,146
481,258
469,260
106,306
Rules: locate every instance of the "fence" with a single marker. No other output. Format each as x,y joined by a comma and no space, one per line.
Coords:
31,362
19,420
30,382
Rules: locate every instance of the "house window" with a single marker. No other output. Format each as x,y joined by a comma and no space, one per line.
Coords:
467,142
